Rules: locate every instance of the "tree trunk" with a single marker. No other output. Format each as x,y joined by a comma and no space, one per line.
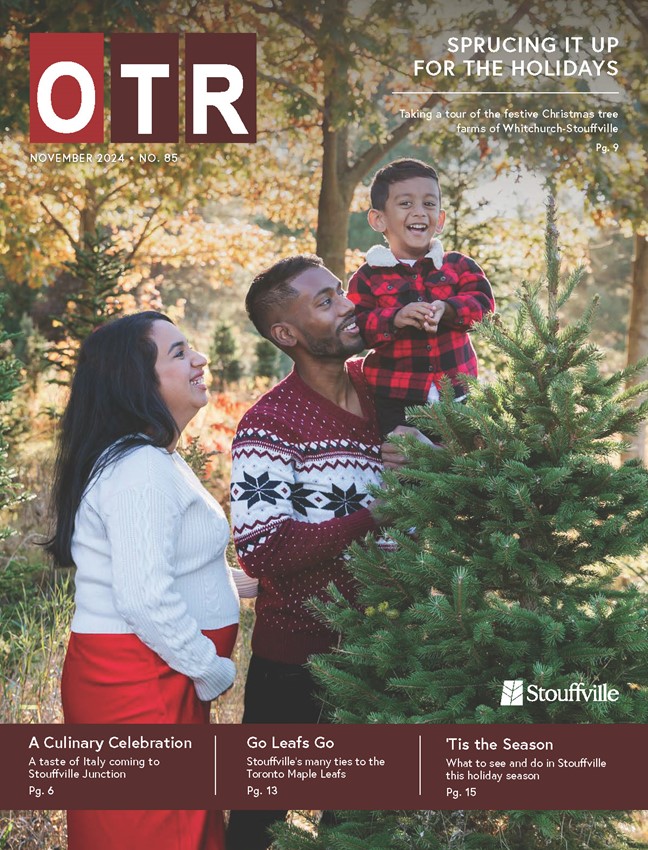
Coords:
638,325
88,216
336,189
335,198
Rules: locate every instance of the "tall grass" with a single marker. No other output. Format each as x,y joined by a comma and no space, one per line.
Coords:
34,625
34,633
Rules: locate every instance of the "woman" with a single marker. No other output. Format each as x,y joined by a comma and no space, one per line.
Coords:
156,606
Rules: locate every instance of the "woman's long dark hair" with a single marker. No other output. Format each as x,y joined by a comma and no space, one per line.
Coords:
114,397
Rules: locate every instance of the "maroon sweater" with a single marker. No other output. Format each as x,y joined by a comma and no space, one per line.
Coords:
301,467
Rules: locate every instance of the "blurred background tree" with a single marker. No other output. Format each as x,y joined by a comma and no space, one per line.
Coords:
225,356
95,291
11,491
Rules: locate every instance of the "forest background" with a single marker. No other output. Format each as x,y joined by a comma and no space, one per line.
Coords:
82,241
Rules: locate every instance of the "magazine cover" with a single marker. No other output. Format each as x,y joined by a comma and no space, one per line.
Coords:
323,495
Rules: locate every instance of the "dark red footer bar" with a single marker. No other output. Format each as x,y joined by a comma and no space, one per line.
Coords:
323,767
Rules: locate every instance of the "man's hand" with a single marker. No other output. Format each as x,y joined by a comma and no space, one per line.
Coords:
392,456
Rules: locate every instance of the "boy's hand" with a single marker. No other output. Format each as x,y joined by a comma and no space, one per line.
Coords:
415,315
425,317
437,310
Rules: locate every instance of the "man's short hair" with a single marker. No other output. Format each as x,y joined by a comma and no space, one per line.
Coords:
271,288
396,172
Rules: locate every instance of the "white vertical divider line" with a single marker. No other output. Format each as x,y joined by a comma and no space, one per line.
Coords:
420,765
215,768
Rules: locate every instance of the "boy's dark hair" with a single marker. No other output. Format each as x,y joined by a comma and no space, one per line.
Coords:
396,172
271,287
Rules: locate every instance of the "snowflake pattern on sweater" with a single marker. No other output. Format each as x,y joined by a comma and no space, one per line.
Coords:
301,469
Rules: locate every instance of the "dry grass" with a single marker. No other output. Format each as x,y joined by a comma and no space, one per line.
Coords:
33,830
30,672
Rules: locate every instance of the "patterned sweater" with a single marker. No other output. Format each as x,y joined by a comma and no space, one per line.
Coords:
300,470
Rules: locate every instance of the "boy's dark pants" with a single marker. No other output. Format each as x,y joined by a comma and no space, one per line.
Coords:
274,693
390,413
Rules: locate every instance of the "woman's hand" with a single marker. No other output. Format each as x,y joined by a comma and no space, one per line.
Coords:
246,586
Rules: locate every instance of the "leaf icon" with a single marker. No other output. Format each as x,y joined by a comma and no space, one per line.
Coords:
512,692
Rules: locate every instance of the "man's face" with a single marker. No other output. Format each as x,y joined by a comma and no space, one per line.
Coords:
320,318
411,218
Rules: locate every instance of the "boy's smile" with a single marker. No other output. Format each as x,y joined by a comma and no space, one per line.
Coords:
411,218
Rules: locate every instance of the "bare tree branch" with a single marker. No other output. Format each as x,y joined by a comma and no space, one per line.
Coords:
288,85
299,22
147,231
114,191
59,224
640,20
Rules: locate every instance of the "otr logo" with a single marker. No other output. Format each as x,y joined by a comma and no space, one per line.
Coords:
67,87
513,693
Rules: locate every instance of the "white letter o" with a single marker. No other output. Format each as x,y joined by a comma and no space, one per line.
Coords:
44,97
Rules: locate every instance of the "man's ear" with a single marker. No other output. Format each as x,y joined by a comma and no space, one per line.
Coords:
376,220
283,335
440,222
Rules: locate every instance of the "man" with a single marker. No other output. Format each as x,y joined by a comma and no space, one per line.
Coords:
303,459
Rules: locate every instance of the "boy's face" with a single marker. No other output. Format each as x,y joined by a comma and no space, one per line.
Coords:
411,218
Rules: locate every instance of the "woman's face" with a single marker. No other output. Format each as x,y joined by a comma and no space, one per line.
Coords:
180,371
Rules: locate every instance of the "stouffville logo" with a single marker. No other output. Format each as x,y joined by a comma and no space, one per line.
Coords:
67,87
513,693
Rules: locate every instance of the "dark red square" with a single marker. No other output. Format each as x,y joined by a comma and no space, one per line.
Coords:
143,101
66,82
220,72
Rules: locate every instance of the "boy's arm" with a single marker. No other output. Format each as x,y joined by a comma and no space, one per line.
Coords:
376,323
474,297
270,538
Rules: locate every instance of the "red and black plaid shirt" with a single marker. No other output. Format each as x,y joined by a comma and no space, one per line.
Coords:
405,362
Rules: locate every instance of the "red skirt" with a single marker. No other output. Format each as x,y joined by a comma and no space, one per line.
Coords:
111,678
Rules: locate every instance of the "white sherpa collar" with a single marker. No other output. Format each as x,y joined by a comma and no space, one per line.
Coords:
380,256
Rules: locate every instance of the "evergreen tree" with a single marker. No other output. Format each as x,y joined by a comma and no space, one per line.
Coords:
98,267
225,356
10,491
31,348
504,569
267,356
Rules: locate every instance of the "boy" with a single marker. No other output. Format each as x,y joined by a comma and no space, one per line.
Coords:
415,303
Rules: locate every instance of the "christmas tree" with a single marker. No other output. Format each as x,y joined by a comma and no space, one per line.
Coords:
504,569
225,356
11,493
97,270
